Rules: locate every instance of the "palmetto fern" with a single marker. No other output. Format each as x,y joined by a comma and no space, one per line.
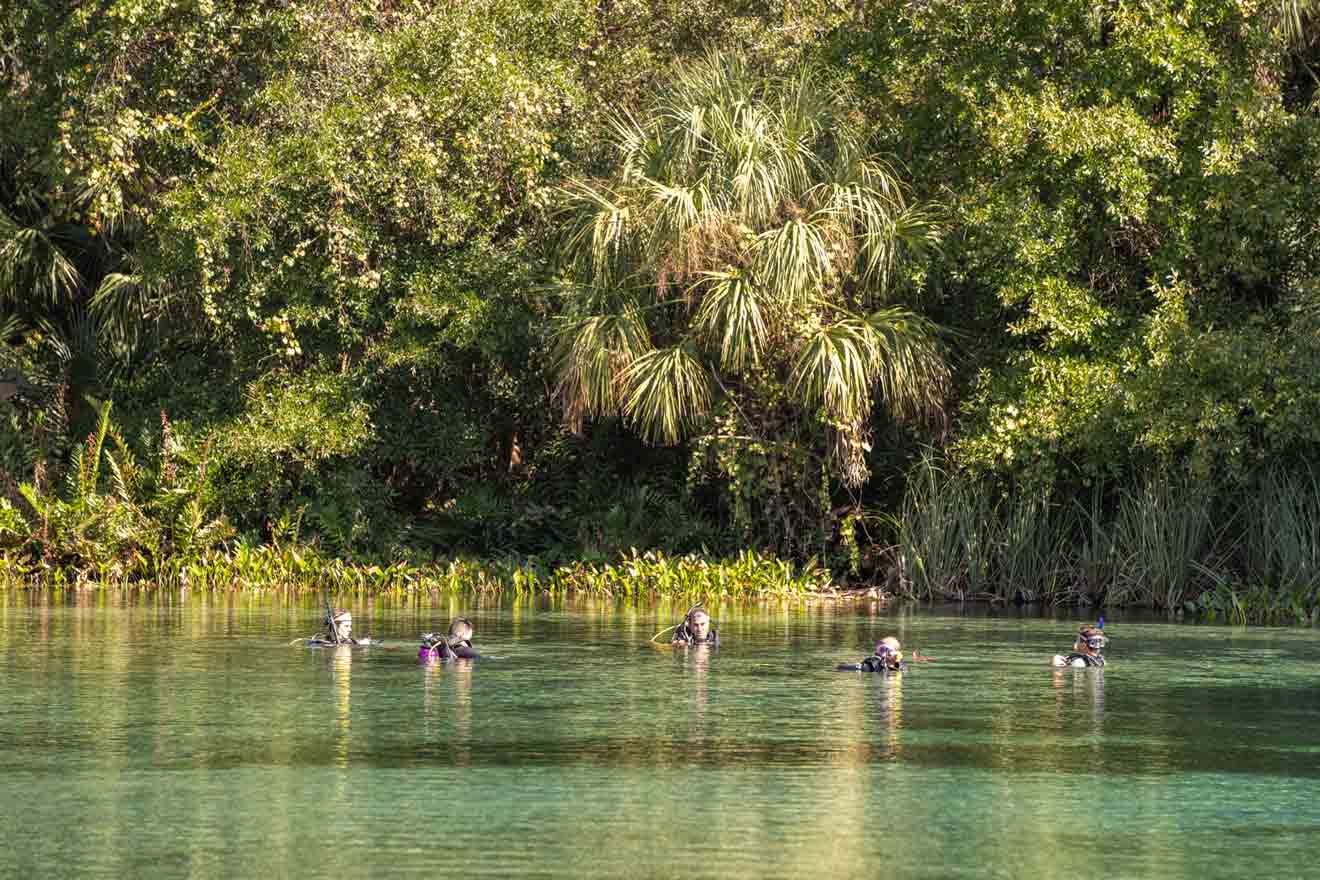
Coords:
144,515
746,227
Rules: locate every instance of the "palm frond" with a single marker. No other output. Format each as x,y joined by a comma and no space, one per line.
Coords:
10,326
758,185
834,369
32,266
667,391
674,211
599,227
893,348
911,370
632,143
731,316
905,235
805,119
1295,21
120,305
594,352
796,257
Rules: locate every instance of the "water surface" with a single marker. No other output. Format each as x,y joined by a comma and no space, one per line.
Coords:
169,736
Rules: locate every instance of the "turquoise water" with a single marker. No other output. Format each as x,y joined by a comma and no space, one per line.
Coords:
169,736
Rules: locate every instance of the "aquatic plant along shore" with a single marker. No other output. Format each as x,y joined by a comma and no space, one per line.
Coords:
265,569
1249,555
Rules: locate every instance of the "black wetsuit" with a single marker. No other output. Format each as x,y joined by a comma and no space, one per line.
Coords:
323,642
874,663
683,636
1088,659
460,651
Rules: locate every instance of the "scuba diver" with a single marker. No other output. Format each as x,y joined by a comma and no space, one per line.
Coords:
338,631
888,657
1086,650
457,645
696,629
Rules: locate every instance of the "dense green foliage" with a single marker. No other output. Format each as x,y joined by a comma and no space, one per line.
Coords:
565,278
733,281
1134,189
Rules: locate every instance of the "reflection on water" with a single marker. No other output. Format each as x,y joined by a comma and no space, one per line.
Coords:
343,660
176,735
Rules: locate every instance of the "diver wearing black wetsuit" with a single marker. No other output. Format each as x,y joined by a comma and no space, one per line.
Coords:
696,629
1086,650
456,646
887,658
339,631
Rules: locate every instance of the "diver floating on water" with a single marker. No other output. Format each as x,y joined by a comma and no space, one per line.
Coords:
456,645
1086,650
338,631
888,657
696,629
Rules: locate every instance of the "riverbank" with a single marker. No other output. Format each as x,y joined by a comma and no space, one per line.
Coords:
304,570
654,574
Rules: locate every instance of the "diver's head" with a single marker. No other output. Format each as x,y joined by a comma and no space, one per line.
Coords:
1089,640
698,624
460,630
343,623
889,649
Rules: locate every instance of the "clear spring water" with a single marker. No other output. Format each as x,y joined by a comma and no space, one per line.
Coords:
168,736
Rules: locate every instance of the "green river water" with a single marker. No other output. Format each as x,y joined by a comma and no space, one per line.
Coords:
182,736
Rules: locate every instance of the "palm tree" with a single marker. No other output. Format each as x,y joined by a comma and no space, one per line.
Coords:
746,240
73,308
1296,22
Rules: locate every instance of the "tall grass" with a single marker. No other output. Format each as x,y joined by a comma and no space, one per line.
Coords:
1095,564
1163,535
1280,551
1031,549
939,548
957,539
1252,553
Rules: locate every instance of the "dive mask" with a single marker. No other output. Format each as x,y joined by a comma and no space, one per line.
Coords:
884,651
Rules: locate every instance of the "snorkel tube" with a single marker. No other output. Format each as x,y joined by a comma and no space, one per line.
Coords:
330,618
